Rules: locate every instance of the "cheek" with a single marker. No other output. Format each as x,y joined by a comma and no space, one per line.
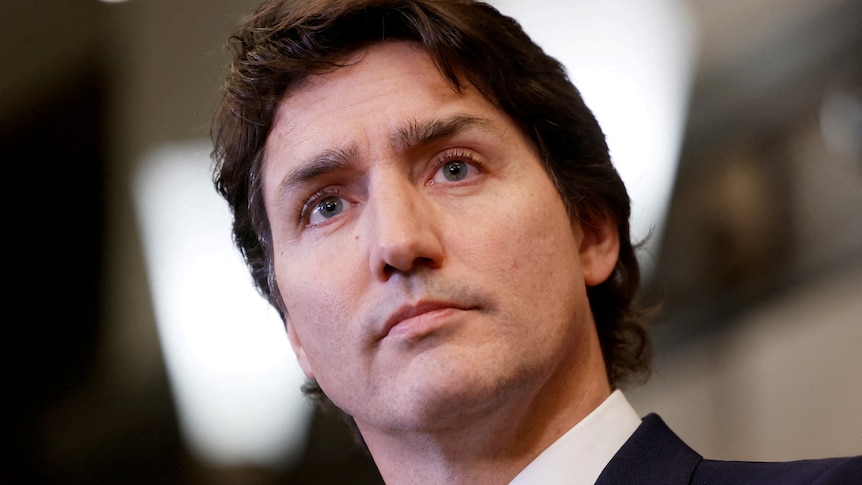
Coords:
522,236
317,297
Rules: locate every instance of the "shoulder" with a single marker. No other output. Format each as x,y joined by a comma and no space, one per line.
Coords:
838,471
655,454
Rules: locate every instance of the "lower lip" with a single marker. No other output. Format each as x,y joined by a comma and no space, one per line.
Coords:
424,324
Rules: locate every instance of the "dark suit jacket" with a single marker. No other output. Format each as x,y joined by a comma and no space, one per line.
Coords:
655,455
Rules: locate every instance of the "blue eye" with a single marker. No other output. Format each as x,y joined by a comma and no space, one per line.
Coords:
454,171
326,208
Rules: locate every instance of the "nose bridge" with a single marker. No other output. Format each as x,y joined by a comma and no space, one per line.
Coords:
403,232
394,205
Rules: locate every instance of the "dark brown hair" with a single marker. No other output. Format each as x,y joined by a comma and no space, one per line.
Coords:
283,42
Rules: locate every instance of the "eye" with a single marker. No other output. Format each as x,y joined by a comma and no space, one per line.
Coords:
455,169
326,208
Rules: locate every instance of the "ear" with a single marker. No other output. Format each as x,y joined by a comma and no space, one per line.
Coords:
599,248
298,349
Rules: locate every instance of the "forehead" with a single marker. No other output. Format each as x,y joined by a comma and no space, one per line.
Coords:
383,85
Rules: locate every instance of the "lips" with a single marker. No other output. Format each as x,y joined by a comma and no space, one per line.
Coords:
418,319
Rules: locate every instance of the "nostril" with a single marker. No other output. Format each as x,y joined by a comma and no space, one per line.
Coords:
415,265
425,262
389,270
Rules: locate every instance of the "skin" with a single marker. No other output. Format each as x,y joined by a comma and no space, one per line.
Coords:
434,283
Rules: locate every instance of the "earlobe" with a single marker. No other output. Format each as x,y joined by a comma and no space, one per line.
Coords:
298,349
600,248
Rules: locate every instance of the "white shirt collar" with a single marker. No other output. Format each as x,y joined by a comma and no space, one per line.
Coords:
580,455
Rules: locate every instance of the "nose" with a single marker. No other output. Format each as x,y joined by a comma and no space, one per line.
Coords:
404,231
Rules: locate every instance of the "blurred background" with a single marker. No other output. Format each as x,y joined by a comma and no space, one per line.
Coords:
737,124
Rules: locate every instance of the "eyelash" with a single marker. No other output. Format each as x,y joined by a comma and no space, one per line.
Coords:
455,154
303,212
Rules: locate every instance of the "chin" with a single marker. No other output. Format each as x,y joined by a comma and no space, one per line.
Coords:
459,400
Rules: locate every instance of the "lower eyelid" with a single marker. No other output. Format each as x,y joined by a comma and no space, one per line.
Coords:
345,205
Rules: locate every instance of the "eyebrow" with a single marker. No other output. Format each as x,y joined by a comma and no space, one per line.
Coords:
411,135
328,161
420,133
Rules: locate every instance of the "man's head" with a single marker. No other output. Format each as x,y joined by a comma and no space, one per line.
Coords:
292,119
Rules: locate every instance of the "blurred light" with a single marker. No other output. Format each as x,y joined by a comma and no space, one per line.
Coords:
233,375
841,120
633,62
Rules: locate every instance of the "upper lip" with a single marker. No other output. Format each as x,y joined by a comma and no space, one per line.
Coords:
412,310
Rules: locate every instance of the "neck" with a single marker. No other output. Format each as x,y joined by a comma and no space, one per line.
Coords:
493,444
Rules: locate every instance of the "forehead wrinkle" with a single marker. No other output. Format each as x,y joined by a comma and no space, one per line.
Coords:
417,133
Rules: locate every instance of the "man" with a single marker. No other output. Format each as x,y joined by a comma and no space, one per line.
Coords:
422,194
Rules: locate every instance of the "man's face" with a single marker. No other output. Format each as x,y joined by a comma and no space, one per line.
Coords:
427,263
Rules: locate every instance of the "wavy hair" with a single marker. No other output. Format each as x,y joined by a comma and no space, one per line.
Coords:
282,42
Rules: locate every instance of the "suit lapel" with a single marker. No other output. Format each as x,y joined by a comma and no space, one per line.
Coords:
653,454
